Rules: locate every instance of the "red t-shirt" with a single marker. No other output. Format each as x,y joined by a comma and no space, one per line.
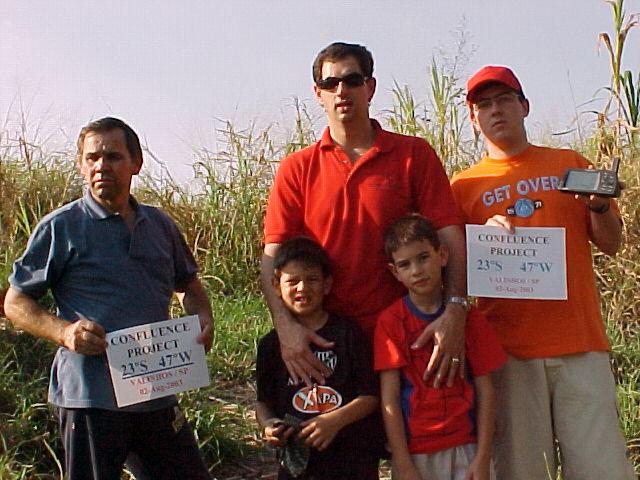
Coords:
346,207
436,418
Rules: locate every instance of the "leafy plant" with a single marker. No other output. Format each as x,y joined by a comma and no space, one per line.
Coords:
631,105
622,23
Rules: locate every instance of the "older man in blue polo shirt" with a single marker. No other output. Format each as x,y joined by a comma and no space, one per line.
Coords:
110,263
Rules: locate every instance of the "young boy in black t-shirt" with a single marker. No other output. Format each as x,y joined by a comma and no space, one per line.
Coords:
335,434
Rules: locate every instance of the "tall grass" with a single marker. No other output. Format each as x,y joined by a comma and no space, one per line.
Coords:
221,215
441,120
222,219
624,92
619,278
221,212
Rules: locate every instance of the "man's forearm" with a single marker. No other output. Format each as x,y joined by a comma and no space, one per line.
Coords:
279,313
606,231
25,314
447,332
455,278
196,301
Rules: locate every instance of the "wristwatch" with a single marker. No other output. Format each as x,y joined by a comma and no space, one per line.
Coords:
601,209
462,301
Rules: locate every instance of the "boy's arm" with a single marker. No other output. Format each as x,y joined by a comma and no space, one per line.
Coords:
265,414
272,428
321,430
394,426
486,399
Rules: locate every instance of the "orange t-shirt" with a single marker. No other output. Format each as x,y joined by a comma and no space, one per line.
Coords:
524,188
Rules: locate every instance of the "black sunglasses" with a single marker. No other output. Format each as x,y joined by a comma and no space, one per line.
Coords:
352,80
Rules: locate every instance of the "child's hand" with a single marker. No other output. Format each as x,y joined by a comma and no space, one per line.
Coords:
276,433
478,470
320,431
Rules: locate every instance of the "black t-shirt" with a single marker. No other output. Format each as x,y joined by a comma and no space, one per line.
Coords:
350,360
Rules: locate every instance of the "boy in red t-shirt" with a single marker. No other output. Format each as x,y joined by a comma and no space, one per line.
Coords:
440,433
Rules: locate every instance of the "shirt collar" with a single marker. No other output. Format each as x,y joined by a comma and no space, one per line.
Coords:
98,212
427,317
383,141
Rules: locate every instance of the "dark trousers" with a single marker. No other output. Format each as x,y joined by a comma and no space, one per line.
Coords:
156,445
362,468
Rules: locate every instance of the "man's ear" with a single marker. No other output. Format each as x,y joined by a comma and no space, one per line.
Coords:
371,88
317,91
527,107
472,117
79,164
138,165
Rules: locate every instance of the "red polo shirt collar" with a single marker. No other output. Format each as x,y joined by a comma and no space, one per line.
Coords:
382,143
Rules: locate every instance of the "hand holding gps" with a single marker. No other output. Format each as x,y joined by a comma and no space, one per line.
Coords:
583,181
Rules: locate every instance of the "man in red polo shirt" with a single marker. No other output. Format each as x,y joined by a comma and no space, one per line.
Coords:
343,192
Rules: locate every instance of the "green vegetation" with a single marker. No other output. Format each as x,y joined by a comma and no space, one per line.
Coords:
222,216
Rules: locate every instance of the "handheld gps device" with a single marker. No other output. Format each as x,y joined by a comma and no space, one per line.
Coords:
583,181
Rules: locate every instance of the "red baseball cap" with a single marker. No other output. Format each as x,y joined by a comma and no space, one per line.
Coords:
491,74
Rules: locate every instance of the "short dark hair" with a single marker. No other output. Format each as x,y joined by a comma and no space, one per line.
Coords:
340,51
410,228
304,250
108,124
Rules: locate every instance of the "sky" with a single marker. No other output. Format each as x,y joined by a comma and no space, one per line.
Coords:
176,70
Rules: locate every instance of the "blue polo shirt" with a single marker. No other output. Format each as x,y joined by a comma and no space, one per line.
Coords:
99,269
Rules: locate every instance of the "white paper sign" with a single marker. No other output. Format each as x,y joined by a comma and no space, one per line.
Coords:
156,360
531,263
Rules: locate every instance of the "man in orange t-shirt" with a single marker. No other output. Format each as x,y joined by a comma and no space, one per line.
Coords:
343,192
557,384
